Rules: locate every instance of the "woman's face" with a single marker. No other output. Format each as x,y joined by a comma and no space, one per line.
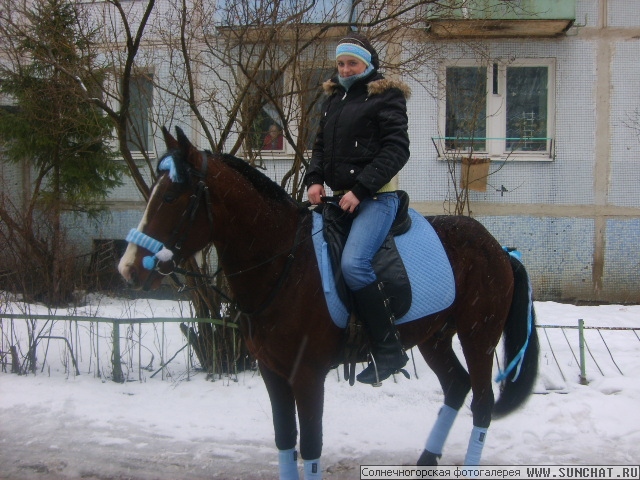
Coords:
349,66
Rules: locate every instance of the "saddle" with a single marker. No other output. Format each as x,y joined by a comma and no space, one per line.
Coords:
387,264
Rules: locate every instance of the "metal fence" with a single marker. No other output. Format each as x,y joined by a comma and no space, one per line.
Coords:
584,352
570,351
118,348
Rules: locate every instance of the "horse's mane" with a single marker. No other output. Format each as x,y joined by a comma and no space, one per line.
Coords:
259,180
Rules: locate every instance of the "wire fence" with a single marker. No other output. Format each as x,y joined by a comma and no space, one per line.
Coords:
607,351
102,347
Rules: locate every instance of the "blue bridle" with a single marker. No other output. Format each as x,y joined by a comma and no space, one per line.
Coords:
154,246
162,253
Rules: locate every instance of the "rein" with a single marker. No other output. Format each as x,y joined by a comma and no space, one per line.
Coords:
283,276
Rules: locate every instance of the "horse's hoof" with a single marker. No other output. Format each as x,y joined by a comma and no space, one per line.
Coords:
428,459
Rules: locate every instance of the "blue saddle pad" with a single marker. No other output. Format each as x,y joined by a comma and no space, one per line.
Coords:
432,283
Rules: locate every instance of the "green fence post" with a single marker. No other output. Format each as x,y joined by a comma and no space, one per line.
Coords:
583,369
115,360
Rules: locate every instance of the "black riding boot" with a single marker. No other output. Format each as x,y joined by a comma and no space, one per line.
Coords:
388,355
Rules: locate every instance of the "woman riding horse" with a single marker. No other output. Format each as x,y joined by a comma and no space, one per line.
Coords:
361,145
264,243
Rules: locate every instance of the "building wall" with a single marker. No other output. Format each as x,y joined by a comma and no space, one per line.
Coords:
576,219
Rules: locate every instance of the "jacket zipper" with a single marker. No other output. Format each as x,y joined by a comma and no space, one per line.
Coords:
335,131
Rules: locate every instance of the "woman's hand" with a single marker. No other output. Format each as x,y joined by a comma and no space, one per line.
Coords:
315,193
349,202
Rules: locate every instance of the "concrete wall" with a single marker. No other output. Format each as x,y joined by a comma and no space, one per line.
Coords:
576,219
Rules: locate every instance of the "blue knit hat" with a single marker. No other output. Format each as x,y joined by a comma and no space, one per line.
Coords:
353,50
358,46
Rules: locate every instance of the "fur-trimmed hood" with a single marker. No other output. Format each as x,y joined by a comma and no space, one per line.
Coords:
374,87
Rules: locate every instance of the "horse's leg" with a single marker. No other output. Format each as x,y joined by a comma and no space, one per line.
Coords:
480,364
454,380
309,393
283,408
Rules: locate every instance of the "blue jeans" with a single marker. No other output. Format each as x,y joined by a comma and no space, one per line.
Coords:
369,229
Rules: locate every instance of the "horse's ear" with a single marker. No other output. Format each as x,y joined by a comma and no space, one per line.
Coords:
169,141
183,141
185,145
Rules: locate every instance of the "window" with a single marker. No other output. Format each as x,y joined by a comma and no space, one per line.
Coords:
311,100
279,101
527,100
231,13
466,108
499,110
141,102
265,114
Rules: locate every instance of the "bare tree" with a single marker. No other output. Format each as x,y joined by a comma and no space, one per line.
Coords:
234,69
227,70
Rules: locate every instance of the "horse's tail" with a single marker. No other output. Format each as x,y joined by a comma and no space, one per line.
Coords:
521,348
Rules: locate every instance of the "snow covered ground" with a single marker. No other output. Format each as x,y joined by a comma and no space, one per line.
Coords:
58,425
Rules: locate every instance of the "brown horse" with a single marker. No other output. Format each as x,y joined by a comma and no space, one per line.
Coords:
264,245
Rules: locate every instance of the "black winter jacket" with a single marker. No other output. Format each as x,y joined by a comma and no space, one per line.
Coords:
362,141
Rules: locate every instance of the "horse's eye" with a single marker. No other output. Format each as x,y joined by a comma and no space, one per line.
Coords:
169,197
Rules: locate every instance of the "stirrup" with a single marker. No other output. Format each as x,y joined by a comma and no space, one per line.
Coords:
372,365
378,382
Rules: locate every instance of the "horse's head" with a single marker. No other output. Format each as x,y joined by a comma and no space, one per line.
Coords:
177,222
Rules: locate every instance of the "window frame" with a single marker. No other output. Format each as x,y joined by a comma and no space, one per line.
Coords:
325,73
496,111
293,126
259,140
148,115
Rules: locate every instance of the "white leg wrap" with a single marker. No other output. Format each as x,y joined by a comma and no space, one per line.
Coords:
288,463
312,470
476,444
441,429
